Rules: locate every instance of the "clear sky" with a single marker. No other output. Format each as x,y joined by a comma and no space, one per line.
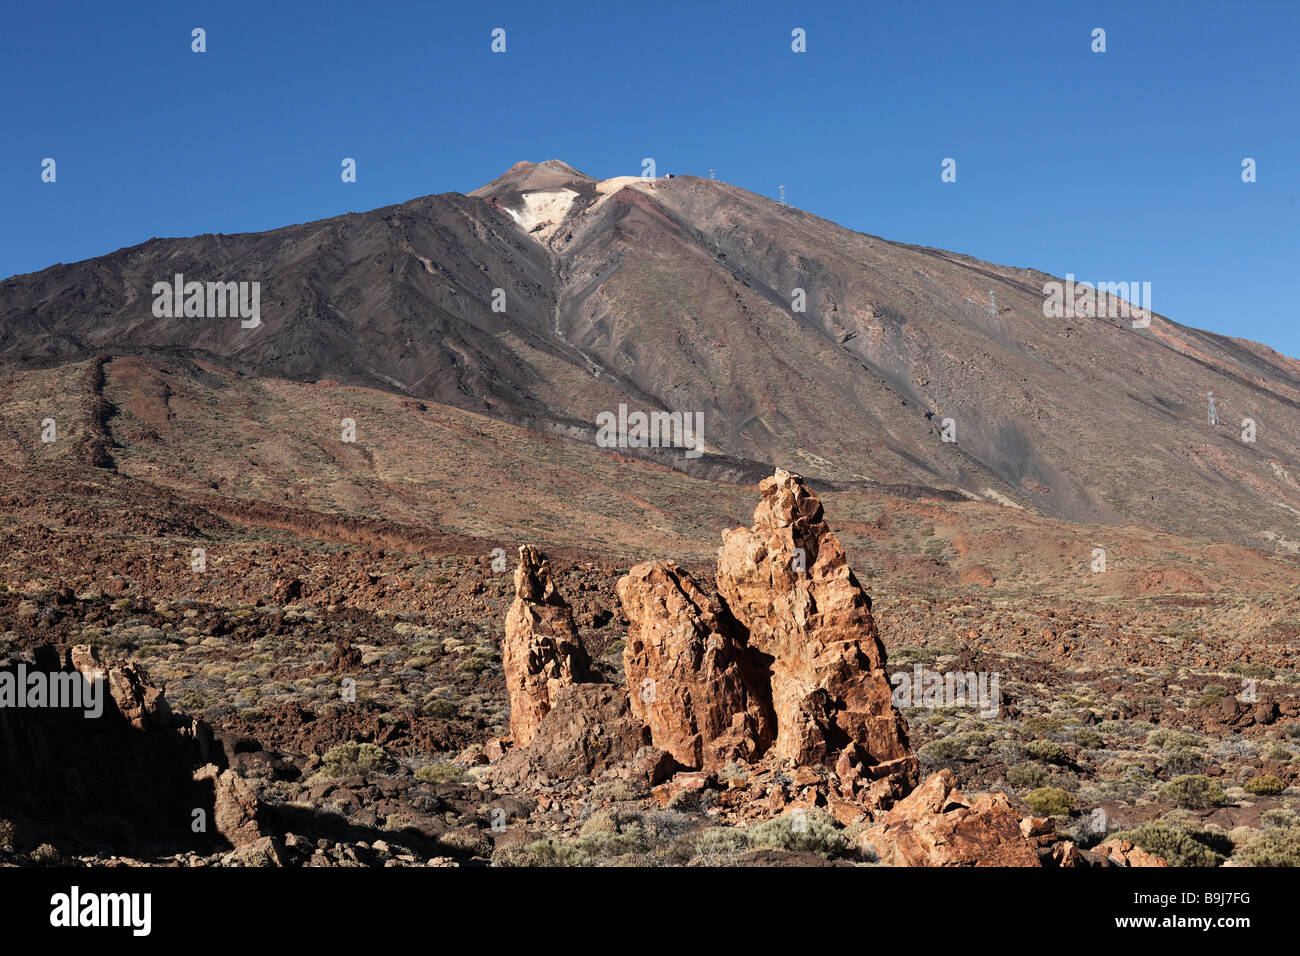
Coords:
1115,166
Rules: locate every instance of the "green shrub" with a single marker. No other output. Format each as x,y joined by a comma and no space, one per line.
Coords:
350,758
1278,846
799,829
1028,776
1184,760
1041,726
721,841
439,773
440,707
1045,751
941,751
1265,785
1049,802
1178,846
1194,791
1089,740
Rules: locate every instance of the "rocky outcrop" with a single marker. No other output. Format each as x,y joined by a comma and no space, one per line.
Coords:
937,826
541,653
687,673
1123,853
237,814
787,580
142,704
589,729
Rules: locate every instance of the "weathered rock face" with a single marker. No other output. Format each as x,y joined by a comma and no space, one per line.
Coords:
687,673
142,704
937,826
542,652
787,580
589,729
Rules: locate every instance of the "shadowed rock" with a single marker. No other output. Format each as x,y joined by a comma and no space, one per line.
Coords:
687,673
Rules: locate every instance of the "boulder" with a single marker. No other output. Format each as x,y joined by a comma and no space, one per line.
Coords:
541,653
937,826
788,582
237,814
589,729
1124,853
687,673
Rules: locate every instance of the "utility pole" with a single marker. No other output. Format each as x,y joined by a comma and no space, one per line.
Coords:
711,176
1214,412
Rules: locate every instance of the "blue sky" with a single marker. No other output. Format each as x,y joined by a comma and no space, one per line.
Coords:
1117,166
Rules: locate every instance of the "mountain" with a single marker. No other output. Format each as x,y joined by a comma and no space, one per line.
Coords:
678,294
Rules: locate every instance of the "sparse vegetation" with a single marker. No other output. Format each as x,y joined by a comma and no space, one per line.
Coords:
1194,792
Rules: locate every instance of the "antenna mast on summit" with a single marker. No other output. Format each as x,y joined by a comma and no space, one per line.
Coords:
782,195
711,176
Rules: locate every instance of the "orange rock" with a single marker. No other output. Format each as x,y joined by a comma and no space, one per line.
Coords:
1125,853
686,672
788,581
542,652
937,826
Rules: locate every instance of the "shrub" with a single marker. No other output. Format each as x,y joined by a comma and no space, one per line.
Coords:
1278,846
1178,846
940,751
721,841
1028,776
1049,802
1279,753
347,759
1089,740
440,707
439,773
1265,785
1046,751
800,829
1195,792
1039,726
1184,760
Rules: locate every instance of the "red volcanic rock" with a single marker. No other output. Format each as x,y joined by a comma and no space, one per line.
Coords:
787,580
1125,853
686,671
589,729
542,652
937,826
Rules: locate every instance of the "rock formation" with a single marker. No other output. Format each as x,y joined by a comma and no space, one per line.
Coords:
542,652
142,705
788,582
687,673
937,826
